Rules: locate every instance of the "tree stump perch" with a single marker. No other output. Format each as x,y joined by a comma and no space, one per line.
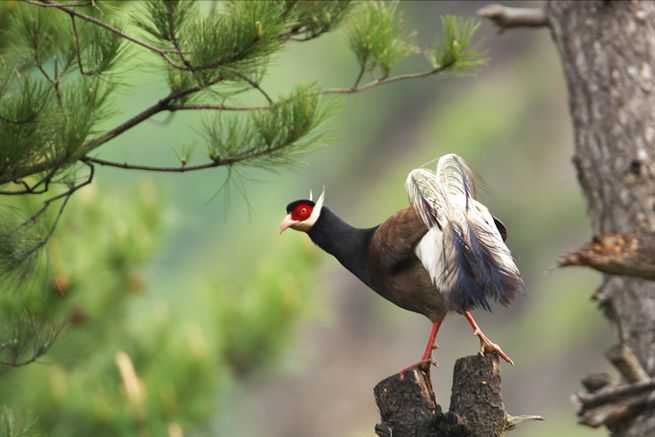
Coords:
409,408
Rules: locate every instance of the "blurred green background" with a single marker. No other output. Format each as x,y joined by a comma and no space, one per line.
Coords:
211,279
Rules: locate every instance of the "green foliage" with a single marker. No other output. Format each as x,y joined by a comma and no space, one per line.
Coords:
101,51
314,18
454,49
60,70
5,8
270,304
241,37
24,140
47,117
235,41
116,372
20,244
378,37
163,20
272,137
38,36
24,338
11,426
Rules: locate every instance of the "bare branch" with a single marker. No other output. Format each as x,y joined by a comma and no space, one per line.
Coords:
126,166
216,107
217,162
617,254
72,4
627,363
506,17
615,393
613,404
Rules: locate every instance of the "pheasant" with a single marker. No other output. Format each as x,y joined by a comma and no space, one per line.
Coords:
444,253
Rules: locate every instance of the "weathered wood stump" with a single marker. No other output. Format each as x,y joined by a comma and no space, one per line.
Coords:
409,408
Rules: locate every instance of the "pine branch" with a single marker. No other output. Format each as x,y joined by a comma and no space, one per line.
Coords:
27,339
198,55
135,120
454,45
166,105
72,12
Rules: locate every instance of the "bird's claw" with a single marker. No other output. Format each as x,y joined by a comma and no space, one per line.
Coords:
487,346
428,362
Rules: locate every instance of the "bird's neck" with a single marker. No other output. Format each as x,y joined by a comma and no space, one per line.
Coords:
346,243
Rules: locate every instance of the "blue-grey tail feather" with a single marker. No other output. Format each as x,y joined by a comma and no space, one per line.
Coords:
476,274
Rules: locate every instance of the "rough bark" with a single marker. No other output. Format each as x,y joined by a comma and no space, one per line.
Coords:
607,50
408,406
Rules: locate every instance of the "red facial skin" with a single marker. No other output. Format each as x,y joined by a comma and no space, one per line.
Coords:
301,212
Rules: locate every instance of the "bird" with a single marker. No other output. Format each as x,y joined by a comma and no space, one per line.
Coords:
444,253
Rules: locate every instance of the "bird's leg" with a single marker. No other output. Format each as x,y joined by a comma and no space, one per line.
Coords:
432,342
486,345
429,347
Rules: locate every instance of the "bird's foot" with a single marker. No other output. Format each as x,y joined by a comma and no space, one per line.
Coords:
422,363
487,346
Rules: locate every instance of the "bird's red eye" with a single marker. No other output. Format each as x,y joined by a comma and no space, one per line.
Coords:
301,212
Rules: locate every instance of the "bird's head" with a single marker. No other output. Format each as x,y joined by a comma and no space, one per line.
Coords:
302,214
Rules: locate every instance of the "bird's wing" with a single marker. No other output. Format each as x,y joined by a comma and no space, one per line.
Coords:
464,251
396,238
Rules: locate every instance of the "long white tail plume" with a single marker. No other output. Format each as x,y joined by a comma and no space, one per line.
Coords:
464,252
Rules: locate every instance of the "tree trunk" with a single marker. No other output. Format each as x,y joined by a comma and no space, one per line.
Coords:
608,54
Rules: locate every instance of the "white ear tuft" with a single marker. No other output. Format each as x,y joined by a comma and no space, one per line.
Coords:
321,199
316,212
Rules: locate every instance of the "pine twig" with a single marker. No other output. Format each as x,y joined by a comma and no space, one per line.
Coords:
378,82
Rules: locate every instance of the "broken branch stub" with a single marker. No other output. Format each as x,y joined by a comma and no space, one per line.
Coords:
409,408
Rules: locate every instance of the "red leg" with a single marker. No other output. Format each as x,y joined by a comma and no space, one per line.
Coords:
432,340
429,347
486,345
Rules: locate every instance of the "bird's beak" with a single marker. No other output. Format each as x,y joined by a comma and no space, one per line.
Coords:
287,223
